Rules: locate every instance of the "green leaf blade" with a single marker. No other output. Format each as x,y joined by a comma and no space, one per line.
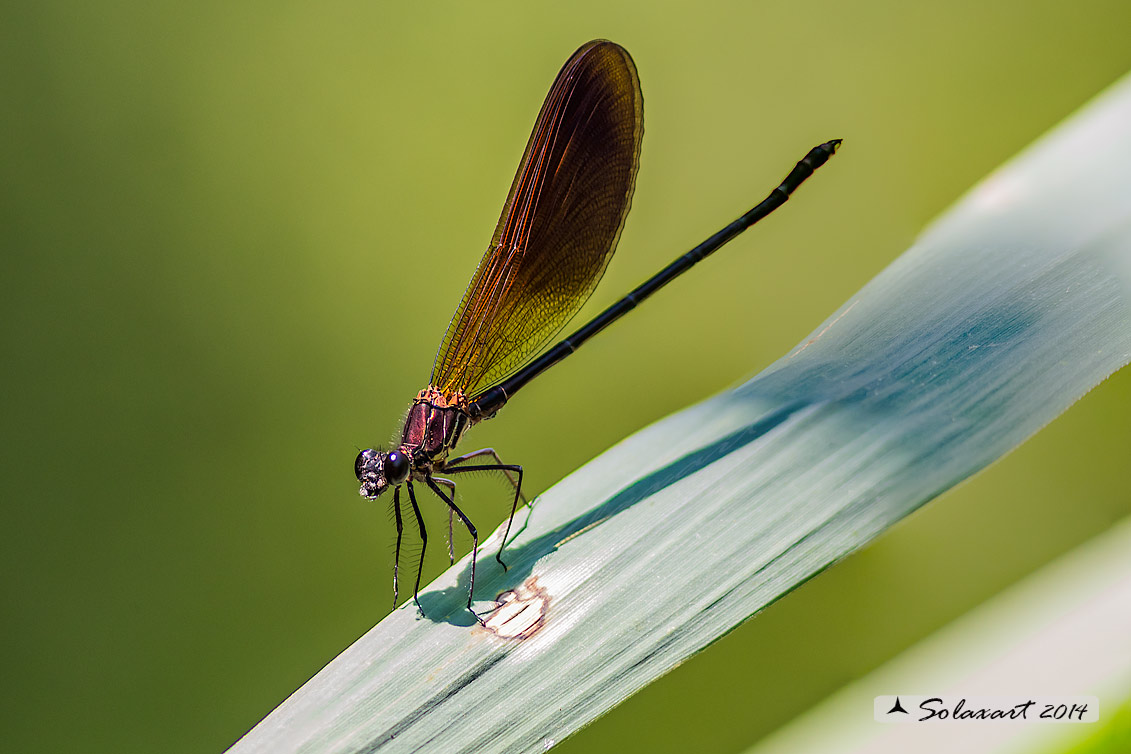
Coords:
1005,312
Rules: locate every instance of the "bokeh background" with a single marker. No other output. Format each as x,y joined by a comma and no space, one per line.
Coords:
233,234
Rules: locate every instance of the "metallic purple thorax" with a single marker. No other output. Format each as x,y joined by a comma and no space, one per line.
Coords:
433,426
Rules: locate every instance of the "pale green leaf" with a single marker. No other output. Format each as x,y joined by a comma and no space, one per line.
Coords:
1005,312
1064,631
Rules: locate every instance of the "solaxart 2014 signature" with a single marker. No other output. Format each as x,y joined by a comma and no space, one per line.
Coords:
912,708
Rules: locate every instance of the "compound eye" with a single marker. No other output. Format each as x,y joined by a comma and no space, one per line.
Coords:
363,460
396,467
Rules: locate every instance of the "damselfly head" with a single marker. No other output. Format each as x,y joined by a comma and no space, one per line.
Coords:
370,470
377,471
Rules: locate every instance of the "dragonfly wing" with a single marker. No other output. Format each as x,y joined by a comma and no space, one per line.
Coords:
559,226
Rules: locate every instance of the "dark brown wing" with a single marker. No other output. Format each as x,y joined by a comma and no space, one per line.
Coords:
559,226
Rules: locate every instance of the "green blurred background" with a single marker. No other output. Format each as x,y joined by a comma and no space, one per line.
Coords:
233,234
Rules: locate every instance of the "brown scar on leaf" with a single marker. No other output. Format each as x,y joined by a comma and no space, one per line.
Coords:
520,612
817,337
